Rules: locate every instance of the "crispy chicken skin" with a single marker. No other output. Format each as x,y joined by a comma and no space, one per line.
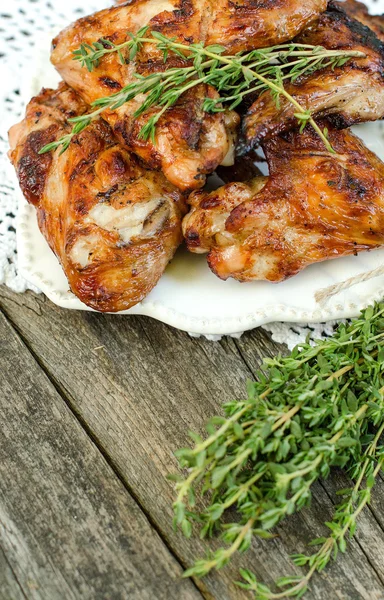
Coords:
243,24
189,142
350,94
113,225
249,24
359,11
314,206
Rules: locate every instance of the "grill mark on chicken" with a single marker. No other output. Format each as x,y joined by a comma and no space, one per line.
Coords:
103,196
110,83
113,225
33,168
184,149
314,206
363,34
240,24
350,94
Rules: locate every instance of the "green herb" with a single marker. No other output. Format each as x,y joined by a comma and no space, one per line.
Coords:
342,525
309,412
232,76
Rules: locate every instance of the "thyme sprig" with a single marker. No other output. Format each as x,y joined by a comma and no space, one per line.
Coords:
309,412
342,526
233,77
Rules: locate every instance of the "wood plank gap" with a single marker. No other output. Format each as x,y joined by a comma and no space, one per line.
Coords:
67,398
243,358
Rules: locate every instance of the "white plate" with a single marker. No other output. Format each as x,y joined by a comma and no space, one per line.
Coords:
188,295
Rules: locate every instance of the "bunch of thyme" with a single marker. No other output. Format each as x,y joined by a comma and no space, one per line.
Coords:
320,407
232,76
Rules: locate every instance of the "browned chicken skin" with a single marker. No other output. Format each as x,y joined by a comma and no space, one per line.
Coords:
349,94
359,11
240,25
248,24
314,206
189,143
113,225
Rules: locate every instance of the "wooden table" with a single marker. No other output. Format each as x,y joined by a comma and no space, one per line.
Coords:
92,409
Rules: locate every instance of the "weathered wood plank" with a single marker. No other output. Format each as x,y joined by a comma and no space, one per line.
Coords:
9,586
68,526
139,385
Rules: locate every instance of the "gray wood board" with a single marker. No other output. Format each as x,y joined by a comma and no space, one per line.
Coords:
9,586
68,527
137,386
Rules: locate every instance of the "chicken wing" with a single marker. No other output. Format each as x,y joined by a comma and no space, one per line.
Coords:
189,143
350,94
113,225
245,24
359,11
314,206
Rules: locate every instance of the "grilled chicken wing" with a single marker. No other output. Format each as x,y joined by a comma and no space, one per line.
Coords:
246,24
241,25
359,11
350,94
189,143
314,206
113,225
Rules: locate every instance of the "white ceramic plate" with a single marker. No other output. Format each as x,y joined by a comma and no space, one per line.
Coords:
188,295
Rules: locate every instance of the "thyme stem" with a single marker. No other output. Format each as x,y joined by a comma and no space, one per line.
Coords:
234,76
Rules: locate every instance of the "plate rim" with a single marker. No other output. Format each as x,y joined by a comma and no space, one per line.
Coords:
196,325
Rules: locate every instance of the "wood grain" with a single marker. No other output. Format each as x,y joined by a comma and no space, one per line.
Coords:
9,586
68,527
137,386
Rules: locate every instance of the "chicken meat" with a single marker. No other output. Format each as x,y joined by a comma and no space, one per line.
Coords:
314,206
349,94
113,225
189,143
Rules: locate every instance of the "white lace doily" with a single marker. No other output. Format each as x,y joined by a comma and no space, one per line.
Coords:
22,22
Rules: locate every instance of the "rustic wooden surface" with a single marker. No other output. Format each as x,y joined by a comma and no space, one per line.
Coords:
92,408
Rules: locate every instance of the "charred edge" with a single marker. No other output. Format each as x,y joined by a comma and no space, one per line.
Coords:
111,84
366,36
32,168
